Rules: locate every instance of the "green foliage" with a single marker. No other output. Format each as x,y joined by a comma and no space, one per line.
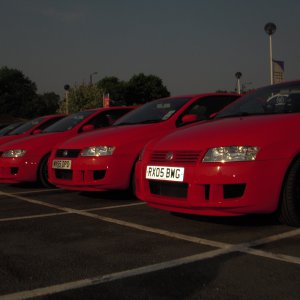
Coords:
19,98
115,88
45,104
138,90
142,88
83,96
17,93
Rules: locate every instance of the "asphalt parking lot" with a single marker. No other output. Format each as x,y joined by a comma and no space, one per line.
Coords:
57,244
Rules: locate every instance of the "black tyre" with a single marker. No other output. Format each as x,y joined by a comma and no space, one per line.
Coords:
132,184
289,209
43,172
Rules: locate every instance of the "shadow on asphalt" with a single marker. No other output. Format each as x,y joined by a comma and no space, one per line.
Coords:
247,220
110,195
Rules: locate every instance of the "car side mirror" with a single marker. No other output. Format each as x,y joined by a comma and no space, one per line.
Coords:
212,115
87,128
37,131
189,118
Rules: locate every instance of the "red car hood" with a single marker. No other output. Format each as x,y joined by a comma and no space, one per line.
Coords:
117,135
275,130
8,138
44,140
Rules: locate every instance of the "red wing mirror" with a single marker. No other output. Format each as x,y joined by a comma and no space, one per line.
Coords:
189,118
37,131
87,128
212,115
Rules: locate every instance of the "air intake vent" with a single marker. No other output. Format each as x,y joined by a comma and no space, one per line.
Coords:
183,157
63,153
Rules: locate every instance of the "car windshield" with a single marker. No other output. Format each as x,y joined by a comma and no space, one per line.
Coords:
153,112
274,99
69,122
5,130
26,126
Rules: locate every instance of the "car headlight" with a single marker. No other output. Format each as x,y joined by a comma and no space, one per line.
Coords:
14,153
231,153
98,151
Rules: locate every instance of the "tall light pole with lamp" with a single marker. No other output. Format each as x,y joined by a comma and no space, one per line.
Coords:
238,76
91,77
270,29
67,89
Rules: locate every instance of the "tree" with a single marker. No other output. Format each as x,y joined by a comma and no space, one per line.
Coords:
17,93
83,96
142,88
46,104
115,88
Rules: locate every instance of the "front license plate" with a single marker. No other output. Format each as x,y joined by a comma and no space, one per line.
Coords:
165,173
61,164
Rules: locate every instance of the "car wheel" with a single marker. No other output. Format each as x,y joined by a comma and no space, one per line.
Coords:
43,172
132,184
289,210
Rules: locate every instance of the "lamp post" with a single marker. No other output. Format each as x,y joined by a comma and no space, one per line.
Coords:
270,29
238,75
67,88
91,77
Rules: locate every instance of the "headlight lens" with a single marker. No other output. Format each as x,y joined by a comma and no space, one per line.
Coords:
14,153
98,151
231,153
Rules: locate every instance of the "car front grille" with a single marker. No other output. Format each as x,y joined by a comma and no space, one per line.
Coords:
183,157
64,174
168,189
70,153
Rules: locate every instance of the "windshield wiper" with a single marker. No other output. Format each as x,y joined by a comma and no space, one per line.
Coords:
241,114
150,121
140,122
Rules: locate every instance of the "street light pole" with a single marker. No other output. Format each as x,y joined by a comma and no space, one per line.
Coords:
67,89
238,75
91,77
270,29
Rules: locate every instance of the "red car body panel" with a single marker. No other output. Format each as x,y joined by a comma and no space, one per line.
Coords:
265,174
31,129
25,169
115,171
227,188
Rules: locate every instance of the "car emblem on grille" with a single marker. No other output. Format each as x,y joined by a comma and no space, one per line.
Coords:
65,153
169,156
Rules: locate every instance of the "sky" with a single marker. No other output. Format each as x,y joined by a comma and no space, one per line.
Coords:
194,46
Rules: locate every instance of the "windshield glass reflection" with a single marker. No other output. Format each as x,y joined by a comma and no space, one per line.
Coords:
153,112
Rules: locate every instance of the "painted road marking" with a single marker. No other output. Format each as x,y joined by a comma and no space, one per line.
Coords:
224,248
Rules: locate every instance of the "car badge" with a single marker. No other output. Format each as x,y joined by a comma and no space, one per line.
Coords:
65,153
169,156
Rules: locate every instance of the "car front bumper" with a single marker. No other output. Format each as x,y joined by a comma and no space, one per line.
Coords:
19,169
217,189
92,174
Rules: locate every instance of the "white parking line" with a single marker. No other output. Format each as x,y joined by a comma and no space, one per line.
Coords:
33,217
66,213
112,277
223,248
114,206
37,191
276,256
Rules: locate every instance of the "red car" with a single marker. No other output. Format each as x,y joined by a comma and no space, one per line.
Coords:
25,160
30,127
105,160
246,160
